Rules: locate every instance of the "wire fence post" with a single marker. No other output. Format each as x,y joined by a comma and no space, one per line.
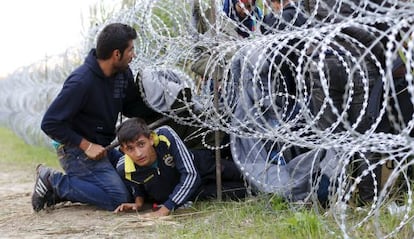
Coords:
216,106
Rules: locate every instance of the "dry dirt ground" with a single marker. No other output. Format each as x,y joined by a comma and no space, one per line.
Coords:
18,220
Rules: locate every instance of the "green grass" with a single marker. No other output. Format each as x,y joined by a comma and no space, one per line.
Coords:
252,218
14,150
263,216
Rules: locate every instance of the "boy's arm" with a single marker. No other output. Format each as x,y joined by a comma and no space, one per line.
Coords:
137,191
189,177
161,212
139,202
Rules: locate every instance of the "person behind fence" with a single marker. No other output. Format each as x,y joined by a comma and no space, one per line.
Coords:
291,16
339,79
82,119
245,13
285,15
157,167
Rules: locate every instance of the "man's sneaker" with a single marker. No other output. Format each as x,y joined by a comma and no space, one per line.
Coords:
52,199
42,188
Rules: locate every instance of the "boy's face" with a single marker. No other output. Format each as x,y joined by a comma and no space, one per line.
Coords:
141,151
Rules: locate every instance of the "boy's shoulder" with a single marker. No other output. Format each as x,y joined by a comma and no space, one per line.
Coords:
166,131
120,166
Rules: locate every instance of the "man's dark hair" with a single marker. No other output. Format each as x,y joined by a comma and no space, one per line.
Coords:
115,36
131,129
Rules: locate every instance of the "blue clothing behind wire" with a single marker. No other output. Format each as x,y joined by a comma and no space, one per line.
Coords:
246,24
291,18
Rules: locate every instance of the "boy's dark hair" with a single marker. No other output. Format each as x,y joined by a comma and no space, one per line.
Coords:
131,129
115,36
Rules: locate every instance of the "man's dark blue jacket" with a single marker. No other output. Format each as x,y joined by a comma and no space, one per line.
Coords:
89,103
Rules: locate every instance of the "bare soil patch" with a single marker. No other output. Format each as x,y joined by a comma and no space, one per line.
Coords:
69,220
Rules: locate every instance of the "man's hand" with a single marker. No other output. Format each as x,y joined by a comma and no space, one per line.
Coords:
93,151
126,207
162,212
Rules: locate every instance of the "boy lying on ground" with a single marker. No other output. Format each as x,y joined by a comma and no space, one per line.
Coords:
157,167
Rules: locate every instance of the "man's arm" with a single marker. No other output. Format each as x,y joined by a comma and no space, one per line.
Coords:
93,151
63,108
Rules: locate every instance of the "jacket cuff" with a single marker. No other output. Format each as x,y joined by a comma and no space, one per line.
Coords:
170,204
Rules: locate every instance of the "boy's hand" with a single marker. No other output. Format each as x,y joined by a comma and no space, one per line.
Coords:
126,207
162,212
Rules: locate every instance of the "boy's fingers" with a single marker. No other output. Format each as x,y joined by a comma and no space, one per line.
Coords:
118,209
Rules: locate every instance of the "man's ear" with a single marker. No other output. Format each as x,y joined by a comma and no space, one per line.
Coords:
117,54
151,138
